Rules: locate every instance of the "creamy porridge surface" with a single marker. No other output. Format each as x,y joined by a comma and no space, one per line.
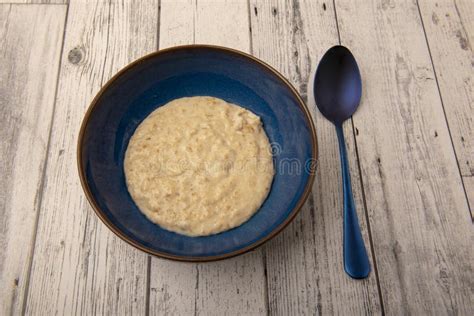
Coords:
199,166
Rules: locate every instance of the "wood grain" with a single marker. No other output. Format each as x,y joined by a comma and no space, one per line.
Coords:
413,188
30,45
34,1
469,186
235,286
304,264
465,10
79,266
450,43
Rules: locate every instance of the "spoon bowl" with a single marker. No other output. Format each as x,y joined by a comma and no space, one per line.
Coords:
338,85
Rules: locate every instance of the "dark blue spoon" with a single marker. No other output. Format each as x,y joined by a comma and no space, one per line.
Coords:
337,91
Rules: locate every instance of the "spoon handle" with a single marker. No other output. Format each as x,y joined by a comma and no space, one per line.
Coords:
356,262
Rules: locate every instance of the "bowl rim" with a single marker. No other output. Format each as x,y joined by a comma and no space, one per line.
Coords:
98,211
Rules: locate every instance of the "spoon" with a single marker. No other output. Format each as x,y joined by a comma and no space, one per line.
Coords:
337,91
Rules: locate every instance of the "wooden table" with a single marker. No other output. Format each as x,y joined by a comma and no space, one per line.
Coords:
411,149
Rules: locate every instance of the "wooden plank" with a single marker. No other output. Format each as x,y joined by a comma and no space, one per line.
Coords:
34,1
422,231
79,266
304,264
177,20
30,46
465,10
234,286
450,42
469,187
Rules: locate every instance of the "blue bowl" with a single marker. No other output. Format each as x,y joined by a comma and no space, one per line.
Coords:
195,70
